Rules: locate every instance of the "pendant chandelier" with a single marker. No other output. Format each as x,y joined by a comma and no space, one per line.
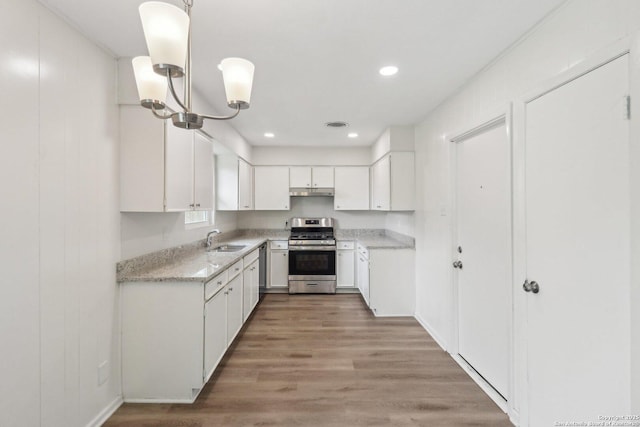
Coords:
167,31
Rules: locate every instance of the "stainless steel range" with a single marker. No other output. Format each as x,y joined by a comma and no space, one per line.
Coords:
312,256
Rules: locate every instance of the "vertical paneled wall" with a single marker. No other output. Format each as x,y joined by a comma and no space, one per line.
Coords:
60,221
574,32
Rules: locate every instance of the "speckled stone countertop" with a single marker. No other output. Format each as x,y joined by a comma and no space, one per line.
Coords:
192,263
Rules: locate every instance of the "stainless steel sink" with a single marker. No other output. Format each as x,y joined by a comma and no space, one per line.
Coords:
228,248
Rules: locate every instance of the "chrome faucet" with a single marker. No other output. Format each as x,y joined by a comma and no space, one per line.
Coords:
209,234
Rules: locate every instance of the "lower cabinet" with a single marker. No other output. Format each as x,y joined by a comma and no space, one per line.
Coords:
345,265
278,264
215,331
234,308
386,280
250,288
363,273
174,334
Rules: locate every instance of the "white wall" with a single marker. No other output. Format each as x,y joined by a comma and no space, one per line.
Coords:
312,156
142,233
571,34
311,207
60,237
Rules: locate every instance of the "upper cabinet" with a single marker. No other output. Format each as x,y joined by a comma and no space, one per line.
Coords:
234,182
393,182
245,186
311,177
271,188
351,188
162,168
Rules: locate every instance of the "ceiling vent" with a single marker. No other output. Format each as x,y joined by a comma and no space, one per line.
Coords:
336,124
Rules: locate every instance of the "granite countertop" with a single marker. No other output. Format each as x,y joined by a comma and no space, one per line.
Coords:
383,242
192,263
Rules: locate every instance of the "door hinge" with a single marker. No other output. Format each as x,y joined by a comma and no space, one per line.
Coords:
627,109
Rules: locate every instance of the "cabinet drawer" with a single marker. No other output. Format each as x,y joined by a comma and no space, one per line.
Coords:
248,259
235,269
279,244
216,283
345,245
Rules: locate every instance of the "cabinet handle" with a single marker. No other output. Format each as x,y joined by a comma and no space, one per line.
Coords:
337,207
230,289
219,282
378,206
237,268
247,206
286,206
191,205
197,204
284,254
226,293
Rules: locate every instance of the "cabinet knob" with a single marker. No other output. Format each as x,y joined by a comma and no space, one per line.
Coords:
198,204
284,254
286,206
191,205
230,289
247,206
219,282
337,207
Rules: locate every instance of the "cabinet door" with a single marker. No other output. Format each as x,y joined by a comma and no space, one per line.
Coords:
322,177
245,186
300,177
227,182
215,331
279,269
345,269
351,188
250,289
381,184
363,277
271,188
178,169
202,173
234,308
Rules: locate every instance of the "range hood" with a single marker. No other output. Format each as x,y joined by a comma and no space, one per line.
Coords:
307,192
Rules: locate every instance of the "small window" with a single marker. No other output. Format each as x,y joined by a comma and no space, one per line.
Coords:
196,217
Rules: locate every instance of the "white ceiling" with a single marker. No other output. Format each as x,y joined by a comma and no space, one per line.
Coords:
317,60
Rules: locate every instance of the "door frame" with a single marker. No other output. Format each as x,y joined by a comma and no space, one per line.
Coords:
498,118
520,363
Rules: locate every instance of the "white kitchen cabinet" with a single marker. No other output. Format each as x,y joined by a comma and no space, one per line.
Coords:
363,273
234,182
234,308
202,173
351,188
250,283
162,168
271,186
278,264
393,182
215,331
345,265
391,282
311,177
245,186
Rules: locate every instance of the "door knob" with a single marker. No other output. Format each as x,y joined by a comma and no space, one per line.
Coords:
531,286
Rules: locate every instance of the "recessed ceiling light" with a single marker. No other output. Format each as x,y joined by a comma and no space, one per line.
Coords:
269,135
388,70
352,135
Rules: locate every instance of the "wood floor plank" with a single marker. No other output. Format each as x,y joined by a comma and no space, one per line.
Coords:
325,360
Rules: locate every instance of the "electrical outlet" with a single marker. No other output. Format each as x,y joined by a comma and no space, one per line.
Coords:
103,372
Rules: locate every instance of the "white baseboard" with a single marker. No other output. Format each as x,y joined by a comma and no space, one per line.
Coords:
431,332
160,400
104,415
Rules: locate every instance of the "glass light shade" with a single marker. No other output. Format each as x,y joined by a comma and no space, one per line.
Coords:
151,86
166,30
237,74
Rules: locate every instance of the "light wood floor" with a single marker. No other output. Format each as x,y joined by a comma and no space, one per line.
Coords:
324,360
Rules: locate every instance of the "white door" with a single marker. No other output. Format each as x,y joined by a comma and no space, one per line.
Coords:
215,331
345,268
483,248
577,218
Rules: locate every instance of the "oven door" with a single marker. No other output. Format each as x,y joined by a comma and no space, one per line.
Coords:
312,263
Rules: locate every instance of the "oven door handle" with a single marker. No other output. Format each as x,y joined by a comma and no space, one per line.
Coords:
311,248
